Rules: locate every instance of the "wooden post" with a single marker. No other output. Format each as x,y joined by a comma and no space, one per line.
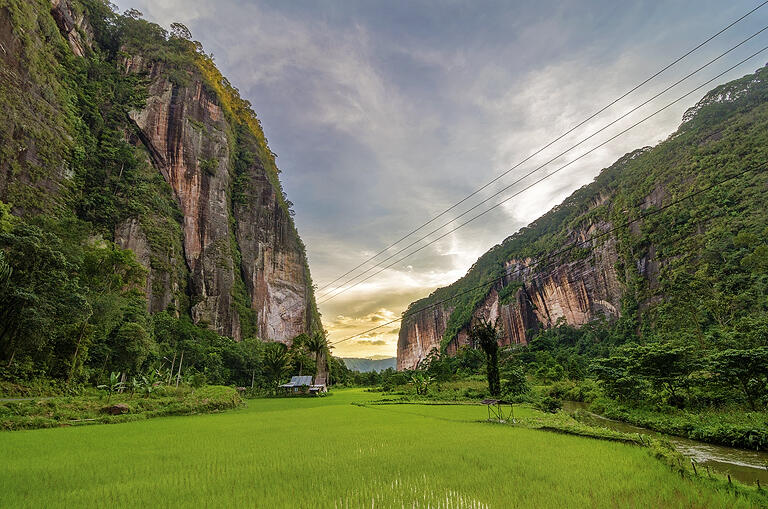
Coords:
173,365
729,479
693,464
178,375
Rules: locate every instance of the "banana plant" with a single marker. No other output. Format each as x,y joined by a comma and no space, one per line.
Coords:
149,382
422,382
114,385
135,386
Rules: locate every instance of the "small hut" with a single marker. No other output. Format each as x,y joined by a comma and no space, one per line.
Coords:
297,385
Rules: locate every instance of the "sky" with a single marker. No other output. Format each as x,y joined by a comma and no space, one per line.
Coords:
385,113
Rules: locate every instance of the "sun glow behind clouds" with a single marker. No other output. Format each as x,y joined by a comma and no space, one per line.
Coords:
385,114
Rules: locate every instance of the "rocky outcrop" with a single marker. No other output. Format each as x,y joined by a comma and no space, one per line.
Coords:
73,26
162,287
571,291
36,139
216,237
183,129
188,138
420,333
273,267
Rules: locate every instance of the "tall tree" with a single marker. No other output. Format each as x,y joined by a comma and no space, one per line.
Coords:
276,363
485,334
748,368
318,345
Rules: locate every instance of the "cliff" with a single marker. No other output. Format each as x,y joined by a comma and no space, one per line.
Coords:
643,280
134,130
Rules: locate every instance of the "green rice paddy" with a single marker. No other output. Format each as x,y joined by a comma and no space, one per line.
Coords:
328,452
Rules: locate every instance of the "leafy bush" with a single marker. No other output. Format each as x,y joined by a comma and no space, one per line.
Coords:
549,404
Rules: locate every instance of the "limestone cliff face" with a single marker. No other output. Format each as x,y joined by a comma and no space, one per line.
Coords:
420,333
188,138
575,292
228,252
184,131
272,265
163,284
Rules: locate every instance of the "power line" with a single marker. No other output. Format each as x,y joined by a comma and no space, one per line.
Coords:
556,253
333,293
529,157
343,290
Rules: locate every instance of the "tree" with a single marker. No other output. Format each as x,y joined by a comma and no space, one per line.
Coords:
5,274
614,374
43,302
113,385
515,382
486,335
666,365
276,363
421,381
748,368
133,345
317,344
180,31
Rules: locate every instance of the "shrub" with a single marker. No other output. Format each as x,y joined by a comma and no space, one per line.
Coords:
549,404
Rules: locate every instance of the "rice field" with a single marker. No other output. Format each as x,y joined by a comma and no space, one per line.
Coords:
328,452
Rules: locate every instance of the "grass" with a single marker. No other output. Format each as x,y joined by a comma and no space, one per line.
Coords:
89,408
736,428
327,452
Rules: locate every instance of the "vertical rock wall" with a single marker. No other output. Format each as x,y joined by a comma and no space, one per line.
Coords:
184,130
572,291
189,140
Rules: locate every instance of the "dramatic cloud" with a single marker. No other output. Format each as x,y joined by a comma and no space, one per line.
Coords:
385,113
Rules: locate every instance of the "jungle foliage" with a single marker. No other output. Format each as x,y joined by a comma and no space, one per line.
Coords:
711,250
73,306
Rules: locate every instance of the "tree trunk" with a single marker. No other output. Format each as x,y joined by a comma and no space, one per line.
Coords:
178,376
494,385
173,365
77,350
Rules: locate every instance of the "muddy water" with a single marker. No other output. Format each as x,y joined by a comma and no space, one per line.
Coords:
744,465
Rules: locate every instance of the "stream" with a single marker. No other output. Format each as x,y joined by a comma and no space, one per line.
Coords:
742,464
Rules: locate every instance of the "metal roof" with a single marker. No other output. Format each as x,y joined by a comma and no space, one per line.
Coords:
303,380
298,381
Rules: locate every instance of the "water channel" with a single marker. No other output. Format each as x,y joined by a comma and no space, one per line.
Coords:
742,464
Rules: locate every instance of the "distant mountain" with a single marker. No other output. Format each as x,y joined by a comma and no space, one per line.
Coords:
375,363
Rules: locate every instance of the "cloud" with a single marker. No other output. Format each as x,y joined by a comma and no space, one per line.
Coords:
372,342
385,114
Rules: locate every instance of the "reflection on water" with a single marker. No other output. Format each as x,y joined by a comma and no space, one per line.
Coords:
744,465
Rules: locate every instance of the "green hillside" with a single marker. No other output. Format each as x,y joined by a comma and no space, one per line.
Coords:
74,170
712,250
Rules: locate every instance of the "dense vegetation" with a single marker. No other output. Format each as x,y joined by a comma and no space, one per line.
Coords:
689,351
124,407
72,303
711,250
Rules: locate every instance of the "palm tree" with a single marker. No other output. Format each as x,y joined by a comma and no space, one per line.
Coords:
276,362
318,345
485,334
